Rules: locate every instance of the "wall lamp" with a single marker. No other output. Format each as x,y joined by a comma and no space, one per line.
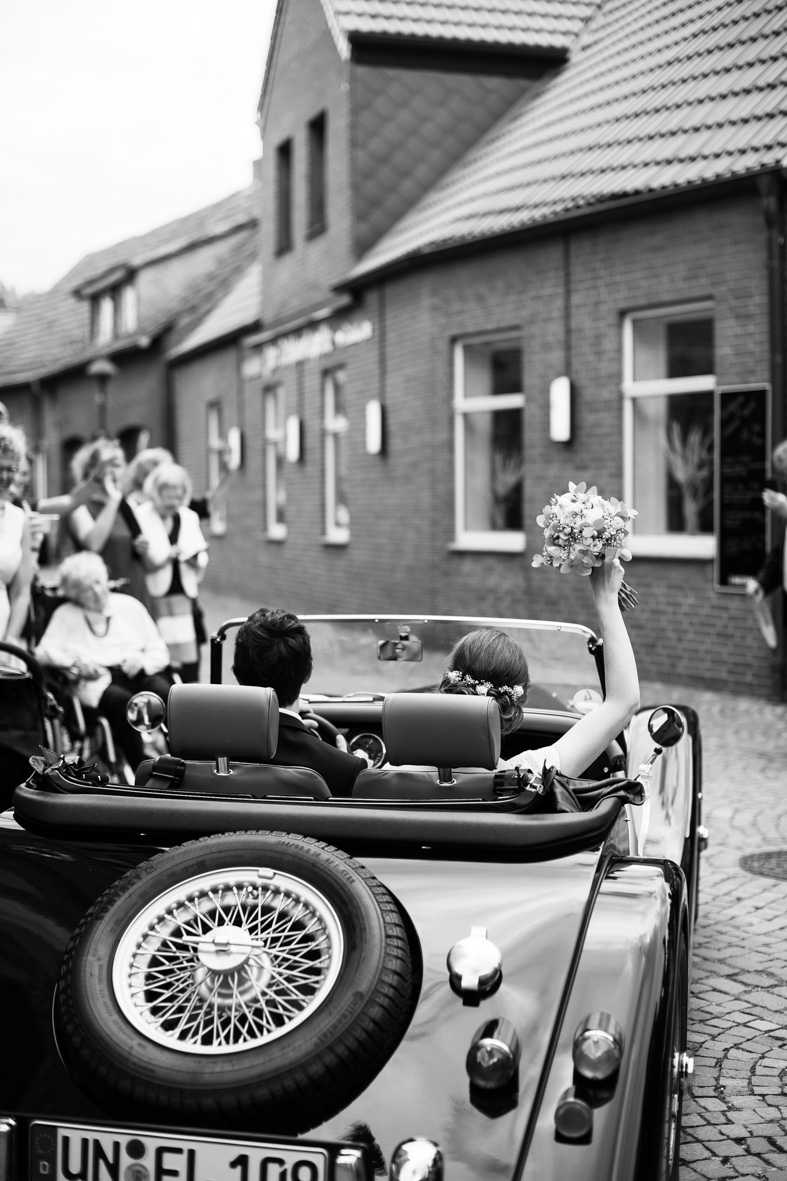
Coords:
560,410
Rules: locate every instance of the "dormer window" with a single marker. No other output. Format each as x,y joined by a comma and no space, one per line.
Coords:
113,312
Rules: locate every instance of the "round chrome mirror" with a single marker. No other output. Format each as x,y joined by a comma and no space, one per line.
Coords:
145,712
666,726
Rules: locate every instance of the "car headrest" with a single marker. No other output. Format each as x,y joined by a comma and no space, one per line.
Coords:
441,730
234,721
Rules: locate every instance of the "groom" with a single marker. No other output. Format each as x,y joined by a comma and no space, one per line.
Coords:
273,649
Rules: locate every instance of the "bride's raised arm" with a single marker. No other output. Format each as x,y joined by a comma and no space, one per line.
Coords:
591,735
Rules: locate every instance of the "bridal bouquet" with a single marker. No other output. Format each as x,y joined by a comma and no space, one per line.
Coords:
581,529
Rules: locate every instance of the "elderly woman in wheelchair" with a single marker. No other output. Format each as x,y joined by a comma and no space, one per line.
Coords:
107,646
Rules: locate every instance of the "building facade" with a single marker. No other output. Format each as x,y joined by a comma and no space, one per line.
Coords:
433,366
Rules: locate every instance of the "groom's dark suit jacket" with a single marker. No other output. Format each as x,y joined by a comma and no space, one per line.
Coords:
299,746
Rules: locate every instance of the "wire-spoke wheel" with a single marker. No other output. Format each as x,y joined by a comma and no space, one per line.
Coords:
228,960
249,977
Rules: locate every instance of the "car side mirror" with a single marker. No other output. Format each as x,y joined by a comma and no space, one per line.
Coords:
666,726
145,712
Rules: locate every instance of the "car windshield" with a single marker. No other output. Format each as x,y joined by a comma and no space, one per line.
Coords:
363,655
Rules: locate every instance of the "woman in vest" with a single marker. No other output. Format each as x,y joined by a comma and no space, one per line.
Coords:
175,561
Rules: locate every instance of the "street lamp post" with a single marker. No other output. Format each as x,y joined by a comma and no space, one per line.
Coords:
102,371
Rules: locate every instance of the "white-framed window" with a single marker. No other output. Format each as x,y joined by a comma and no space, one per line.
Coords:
114,313
215,441
668,389
216,450
335,427
275,487
489,408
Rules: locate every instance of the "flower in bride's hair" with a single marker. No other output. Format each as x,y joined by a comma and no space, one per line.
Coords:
453,676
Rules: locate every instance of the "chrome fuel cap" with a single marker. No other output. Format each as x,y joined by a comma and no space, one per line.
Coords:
475,964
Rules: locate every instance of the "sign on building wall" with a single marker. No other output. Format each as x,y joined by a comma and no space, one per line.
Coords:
308,345
743,417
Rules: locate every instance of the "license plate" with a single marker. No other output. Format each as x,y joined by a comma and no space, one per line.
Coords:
70,1152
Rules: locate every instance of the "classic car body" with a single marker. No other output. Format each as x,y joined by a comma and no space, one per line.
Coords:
521,927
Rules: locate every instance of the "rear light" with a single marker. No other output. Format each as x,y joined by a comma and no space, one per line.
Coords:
573,1116
7,1146
598,1047
417,1160
493,1057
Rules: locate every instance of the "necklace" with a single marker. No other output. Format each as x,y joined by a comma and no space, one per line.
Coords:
96,632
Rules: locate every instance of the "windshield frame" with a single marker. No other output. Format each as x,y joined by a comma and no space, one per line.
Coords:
592,641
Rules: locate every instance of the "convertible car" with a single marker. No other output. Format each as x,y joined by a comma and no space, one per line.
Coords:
221,973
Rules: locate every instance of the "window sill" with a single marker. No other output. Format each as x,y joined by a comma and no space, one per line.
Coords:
685,546
276,535
502,543
336,539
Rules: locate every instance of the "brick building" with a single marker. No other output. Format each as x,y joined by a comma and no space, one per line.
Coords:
91,354
503,250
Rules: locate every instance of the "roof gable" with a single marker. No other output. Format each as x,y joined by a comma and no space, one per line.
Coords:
50,334
658,94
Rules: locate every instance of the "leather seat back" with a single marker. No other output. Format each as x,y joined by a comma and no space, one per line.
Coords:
435,730
238,722
441,730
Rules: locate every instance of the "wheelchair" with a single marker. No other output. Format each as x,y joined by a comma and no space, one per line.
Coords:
82,731
85,732
30,717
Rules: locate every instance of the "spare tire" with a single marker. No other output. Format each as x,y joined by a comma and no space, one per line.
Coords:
248,980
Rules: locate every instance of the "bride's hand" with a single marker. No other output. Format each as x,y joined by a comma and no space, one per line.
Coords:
606,579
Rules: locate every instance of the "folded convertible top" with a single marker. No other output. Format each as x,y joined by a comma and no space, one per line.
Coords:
158,818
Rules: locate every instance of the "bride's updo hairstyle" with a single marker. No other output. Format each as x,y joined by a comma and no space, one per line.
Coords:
489,663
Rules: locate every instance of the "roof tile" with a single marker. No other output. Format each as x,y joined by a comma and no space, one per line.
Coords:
535,24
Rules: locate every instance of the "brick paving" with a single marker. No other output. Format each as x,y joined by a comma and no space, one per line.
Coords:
735,1122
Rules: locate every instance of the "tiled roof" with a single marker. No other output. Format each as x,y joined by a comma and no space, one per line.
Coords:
237,312
174,236
532,24
50,333
657,94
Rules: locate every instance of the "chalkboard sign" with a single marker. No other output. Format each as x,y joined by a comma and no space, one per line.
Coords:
742,459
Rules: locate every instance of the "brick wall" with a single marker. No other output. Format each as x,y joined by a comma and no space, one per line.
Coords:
400,556
308,77
213,377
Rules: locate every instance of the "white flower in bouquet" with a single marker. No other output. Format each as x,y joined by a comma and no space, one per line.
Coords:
581,530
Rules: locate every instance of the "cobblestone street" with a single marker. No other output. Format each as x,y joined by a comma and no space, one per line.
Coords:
735,1123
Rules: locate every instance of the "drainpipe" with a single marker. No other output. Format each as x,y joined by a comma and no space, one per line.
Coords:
771,186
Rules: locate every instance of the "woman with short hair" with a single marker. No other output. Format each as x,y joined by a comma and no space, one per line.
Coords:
140,467
98,517
108,646
175,561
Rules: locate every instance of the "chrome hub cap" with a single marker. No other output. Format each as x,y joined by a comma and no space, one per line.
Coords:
228,960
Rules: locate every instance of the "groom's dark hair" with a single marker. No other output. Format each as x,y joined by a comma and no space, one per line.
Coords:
273,649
